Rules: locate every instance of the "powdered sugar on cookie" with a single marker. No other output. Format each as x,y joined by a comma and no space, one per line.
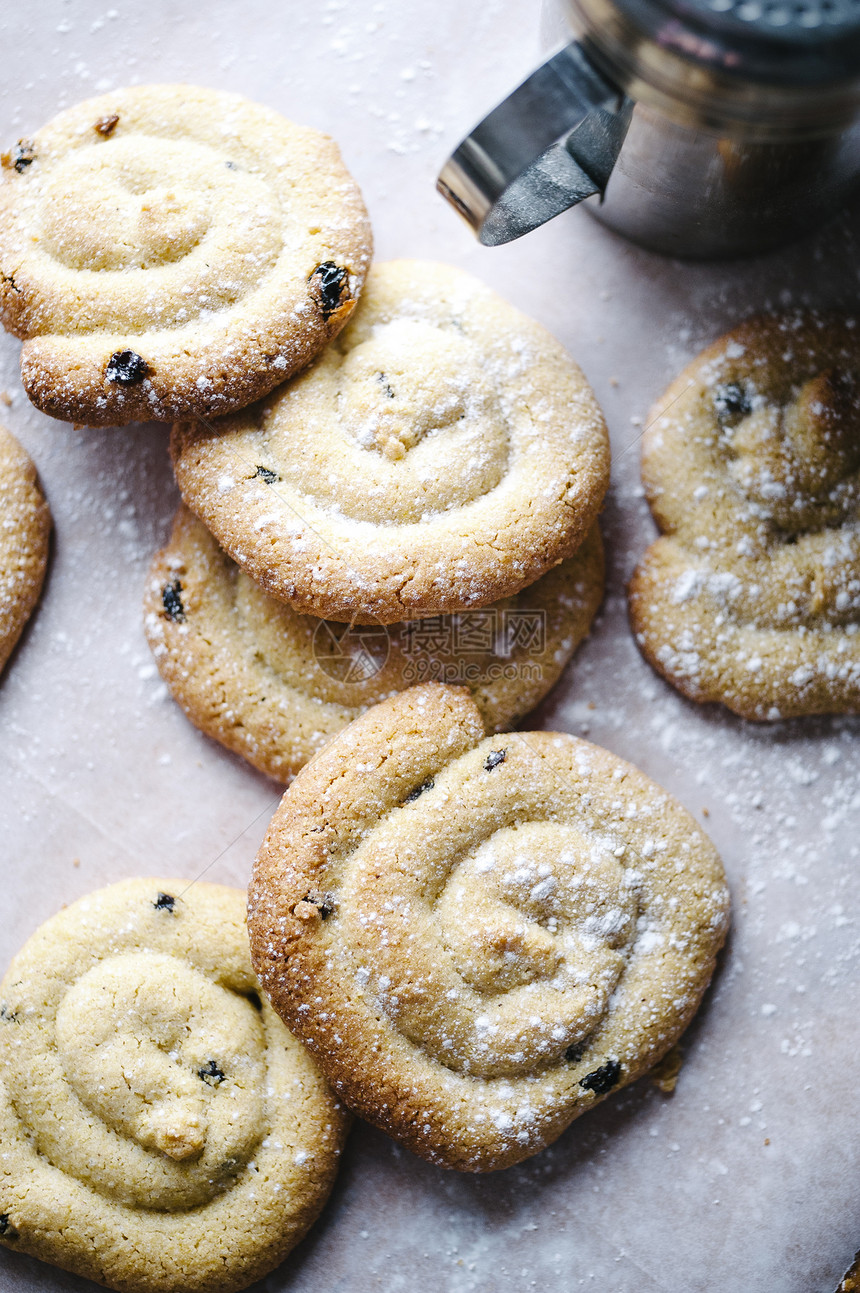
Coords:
481,937
752,596
444,452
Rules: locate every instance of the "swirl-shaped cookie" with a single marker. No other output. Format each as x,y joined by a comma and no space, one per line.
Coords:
168,251
480,937
752,467
25,530
162,1132
273,685
443,452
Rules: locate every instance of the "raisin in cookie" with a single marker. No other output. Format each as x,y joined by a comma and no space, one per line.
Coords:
479,937
273,685
162,1131
167,250
444,452
25,528
752,467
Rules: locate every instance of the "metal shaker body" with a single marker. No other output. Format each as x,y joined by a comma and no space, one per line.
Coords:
700,132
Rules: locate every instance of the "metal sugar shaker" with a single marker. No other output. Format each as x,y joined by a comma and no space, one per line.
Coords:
700,128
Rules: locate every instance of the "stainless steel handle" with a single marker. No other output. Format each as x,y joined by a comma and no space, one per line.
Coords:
549,145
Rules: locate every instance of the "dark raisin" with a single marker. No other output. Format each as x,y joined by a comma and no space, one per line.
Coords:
602,1079
419,790
164,902
731,401
7,1230
494,758
574,1053
332,286
125,368
23,155
266,474
323,902
107,125
211,1074
380,377
254,999
172,602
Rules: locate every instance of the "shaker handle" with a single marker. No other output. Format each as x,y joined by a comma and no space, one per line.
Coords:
550,144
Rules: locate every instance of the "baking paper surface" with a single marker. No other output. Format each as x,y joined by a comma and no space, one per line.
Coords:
746,1179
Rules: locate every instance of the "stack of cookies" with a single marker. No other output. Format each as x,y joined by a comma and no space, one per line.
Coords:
419,504
174,253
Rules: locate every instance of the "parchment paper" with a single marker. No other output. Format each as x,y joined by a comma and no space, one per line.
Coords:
746,1179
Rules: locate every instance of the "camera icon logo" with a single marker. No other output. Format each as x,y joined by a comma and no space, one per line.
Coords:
351,653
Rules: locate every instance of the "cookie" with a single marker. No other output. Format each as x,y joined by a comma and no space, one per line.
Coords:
480,938
25,528
169,251
752,467
850,1282
162,1132
443,453
273,685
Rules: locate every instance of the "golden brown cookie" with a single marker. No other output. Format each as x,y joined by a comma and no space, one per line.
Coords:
480,937
161,1130
273,685
752,467
851,1279
25,529
443,452
167,250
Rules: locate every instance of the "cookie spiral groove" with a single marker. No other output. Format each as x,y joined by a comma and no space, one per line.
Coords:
273,685
494,932
752,468
144,1081
444,452
175,262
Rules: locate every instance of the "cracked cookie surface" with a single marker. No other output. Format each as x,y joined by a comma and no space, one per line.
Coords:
481,937
442,453
273,685
162,1132
25,529
167,250
751,465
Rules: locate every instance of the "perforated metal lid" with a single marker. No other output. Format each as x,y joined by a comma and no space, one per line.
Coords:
799,21
769,69
781,42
